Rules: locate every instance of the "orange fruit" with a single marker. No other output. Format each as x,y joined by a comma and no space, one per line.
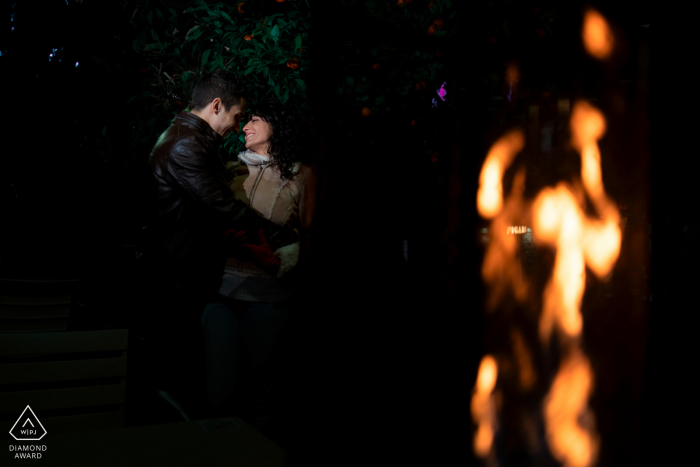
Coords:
248,37
375,66
432,29
420,85
280,1
438,53
404,2
440,23
293,63
240,7
430,6
366,112
413,123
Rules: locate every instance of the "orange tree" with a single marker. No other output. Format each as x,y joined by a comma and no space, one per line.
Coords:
269,44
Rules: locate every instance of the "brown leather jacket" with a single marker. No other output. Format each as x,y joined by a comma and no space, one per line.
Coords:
193,207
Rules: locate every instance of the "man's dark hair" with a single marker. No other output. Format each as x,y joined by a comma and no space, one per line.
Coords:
221,84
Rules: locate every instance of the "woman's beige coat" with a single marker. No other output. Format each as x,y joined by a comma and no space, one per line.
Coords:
285,202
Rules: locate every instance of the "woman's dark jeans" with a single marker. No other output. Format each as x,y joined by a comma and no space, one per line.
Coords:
239,334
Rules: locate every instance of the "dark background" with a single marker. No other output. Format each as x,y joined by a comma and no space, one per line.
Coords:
379,350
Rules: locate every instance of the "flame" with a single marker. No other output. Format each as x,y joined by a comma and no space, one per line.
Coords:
483,406
565,404
597,36
581,240
526,375
490,195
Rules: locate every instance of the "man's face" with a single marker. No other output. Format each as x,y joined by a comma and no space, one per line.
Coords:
226,121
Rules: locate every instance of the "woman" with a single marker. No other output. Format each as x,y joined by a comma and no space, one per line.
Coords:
241,328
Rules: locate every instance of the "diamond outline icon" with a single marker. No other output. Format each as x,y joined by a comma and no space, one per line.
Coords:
21,417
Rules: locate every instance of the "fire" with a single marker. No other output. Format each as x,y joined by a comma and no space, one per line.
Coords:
490,196
483,406
561,220
564,406
581,240
597,37
526,375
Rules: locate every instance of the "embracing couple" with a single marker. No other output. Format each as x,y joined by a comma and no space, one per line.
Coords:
219,244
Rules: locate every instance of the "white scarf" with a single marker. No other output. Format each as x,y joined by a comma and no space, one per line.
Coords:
253,158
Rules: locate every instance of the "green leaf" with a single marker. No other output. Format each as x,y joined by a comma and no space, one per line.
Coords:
218,31
160,15
297,42
225,15
379,100
301,84
104,131
135,45
282,22
150,47
150,17
177,51
218,63
275,33
205,56
154,35
285,96
269,81
351,81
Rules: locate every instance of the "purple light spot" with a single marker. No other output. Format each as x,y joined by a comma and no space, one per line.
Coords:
441,92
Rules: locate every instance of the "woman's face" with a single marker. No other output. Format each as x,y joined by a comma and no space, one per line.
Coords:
257,135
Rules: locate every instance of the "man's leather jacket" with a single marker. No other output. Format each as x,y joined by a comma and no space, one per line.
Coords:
193,207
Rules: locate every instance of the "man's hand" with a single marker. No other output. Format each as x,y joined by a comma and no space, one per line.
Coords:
235,241
261,255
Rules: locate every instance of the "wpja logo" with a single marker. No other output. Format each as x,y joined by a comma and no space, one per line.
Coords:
28,428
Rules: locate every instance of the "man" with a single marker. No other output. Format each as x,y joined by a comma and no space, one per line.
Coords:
193,207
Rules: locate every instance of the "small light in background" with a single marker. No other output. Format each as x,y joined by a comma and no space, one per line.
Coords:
76,64
441,92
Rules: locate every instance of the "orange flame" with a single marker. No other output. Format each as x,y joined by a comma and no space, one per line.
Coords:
559,220
597,36
500,267
564,406
483,406
490,196
527,376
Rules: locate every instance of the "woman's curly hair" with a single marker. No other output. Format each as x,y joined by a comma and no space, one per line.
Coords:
286,146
